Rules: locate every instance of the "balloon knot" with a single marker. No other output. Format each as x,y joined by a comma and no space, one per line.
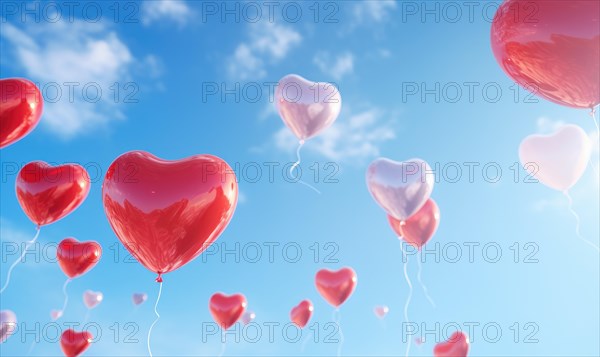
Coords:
159,278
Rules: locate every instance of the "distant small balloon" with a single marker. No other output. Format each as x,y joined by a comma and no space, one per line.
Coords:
139,298
8,324
381,310
419,341
91,299
301,313
56,314
248,317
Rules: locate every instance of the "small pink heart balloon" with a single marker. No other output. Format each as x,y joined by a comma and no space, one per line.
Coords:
557,160
248,317
400,188
8,324
56,314
380,311
306,107
456,346
139,298
91,299
420,227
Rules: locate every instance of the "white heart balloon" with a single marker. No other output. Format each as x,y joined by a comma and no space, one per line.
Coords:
8,324
91,299
557,160
400,188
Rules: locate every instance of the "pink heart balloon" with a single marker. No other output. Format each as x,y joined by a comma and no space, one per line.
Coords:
380,311
301,313
56,314
248,317
306,107
456,346
91,299
8,324
400,188
139,298
557,160
336,286
420,227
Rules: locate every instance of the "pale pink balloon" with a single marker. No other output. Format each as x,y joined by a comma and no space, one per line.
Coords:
139,298
557,160
306,107
400,188
56,314
248,317
91,299
380,311
8,324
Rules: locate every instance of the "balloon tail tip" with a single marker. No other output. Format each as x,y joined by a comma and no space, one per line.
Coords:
159,278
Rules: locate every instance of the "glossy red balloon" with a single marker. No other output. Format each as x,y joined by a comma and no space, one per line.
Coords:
336,286
420,227
301,313
75,343
48,193
76,258
226,310
21,105
456,346
168,212
551,48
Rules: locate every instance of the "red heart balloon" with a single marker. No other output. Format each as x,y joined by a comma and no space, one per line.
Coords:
21,105
336,286
75,258
551,48
48,193
75,343
300,314
226,310
420,227
168,212
456,346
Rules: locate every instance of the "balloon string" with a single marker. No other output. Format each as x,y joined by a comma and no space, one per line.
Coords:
577,220
156,320
87,317
64,290
311,334
593,114
410,291
223,343
29,243
298,160
425,290
337,317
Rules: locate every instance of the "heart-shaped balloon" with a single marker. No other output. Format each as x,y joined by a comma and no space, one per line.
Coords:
557,160
48,193
400,188
420,227
248,317
336,286
20,110
226,310
76,258
551,48
91,299
56,314
380,311
8,324
301,313
139,298
168,212
75,343
306,107
456,346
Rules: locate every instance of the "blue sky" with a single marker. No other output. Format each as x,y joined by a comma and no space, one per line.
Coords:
164,57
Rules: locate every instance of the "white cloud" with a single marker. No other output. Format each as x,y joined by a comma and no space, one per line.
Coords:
354,139
90,55
165,10
373,11
547,126
338,67
268,43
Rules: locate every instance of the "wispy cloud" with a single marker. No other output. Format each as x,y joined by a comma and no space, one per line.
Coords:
373,11
546,126
91,57
268,43
165,10
337,67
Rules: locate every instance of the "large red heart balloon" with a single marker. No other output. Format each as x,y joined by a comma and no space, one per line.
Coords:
21,105
75,343
168,212
301,313
420,227
456,346
76,258
336,286
226,310
551,48
48,193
